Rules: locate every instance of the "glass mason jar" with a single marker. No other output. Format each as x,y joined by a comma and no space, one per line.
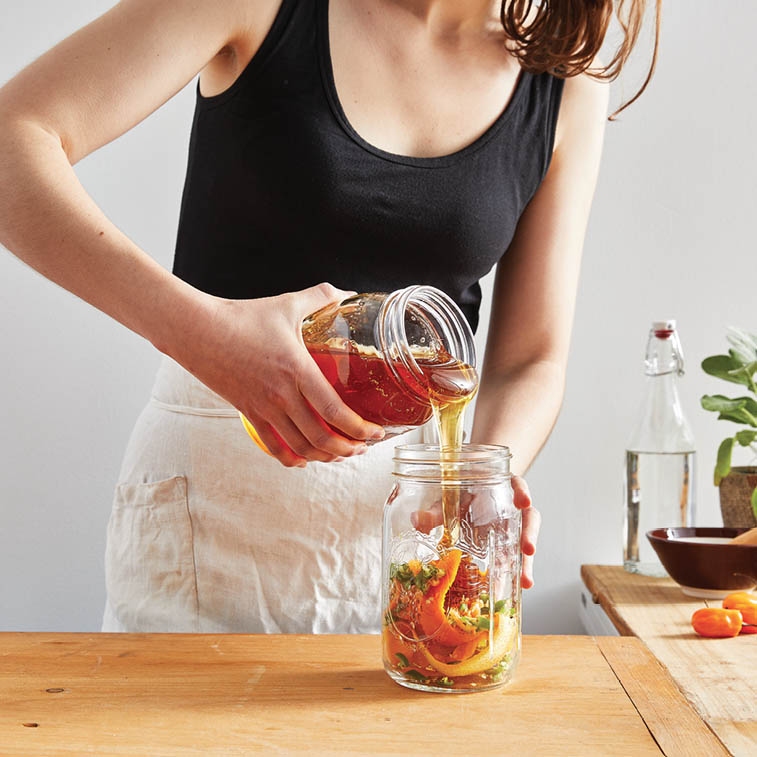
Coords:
390,356
451,592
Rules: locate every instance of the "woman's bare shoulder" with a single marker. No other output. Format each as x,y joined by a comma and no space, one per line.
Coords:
583,109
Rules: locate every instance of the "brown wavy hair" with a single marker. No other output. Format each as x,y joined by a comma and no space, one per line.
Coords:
563,37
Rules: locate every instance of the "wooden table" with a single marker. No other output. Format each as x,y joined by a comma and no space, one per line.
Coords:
172,694
717,676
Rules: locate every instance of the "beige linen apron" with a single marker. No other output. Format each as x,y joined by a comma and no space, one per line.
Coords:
209,534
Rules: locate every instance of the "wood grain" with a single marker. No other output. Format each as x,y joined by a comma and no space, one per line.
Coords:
718,677
165,694
677,729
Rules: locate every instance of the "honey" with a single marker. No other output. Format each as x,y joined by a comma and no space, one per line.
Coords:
395,396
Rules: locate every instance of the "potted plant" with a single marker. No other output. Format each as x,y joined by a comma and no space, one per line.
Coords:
738,485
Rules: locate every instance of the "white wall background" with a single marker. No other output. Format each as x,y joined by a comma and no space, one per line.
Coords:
671,235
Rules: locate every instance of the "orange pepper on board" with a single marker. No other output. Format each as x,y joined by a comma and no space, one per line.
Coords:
745,603
716,622
444,629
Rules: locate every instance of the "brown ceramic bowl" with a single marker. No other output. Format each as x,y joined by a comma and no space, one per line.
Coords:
703,569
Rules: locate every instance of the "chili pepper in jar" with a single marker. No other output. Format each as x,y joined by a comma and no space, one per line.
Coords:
746,604
716,622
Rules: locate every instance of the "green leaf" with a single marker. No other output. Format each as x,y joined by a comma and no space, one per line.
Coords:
751,404
742,416
754,502
723,464
735,355
725,367
720,404
482,623
746,372
746,437
738,410
499,605
744,344
403,660
749,368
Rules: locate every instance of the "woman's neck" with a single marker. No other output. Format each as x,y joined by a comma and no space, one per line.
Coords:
451,17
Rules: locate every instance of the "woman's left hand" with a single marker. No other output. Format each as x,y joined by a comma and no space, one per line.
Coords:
531,521
425,520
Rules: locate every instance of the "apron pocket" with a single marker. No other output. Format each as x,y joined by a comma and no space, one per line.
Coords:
149,558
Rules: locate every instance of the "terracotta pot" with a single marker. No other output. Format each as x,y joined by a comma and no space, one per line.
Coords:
735,497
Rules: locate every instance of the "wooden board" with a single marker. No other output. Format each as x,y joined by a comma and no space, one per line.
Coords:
717,676
167,694
677,729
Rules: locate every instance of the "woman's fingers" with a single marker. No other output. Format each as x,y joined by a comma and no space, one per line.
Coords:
317,435
531,523
276,446
286,441
297,442
426,520
521,493
530,533
330,406
527,572
308,301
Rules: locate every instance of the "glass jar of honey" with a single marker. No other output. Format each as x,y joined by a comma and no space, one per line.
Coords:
451,569
394,358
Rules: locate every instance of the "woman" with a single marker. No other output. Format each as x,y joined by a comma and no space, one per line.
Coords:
368,143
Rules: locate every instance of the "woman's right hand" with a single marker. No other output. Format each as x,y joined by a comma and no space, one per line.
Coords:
251,353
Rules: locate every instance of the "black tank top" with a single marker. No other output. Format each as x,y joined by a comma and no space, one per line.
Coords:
281,193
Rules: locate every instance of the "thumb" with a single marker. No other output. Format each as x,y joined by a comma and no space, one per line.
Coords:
317,297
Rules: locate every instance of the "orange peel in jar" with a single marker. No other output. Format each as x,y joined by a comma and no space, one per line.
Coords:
504,639
447,629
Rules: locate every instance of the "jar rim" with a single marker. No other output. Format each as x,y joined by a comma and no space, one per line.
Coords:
442,314
476,464
469,454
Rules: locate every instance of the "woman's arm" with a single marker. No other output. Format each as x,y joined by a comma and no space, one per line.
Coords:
523,376
82,94
535,287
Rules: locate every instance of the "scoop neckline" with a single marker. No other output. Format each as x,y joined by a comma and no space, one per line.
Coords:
329,84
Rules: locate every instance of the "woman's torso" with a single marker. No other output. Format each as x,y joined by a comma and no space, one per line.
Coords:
300,172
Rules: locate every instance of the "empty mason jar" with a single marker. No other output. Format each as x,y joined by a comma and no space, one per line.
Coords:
451,592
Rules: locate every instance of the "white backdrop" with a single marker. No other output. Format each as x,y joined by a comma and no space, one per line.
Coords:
671,235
